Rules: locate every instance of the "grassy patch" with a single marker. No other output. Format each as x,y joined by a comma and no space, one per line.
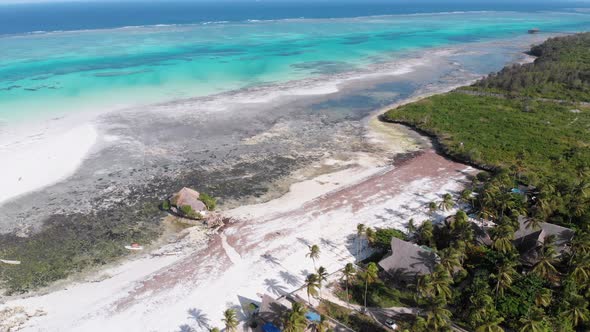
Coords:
352,319
495,131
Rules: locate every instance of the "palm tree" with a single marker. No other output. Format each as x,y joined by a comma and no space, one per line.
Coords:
438,317
534,321
427,233
323,324
349,273
370,235
504,277
491,326
502,235
450,260
424,286
446,203
581,269
312,284
461,228
294,320
230,320
322,274
314,253
580,246
432,207
482,309
411,227
466,196
577,309
533,223
441,283
360,230
545,266
543,298
371,275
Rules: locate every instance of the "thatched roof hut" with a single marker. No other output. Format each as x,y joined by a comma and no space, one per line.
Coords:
408,260
271,310
528,240
190,197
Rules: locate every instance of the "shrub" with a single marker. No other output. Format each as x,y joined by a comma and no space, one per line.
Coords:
383,237
209,201
165,205
188,211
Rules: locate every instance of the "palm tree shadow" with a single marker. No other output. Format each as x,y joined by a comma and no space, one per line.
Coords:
290,278
273,286
186,328
304,241
328,243
268,258
305,273
199,317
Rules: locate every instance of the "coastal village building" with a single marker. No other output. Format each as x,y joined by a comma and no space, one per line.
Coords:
187,197
408,260
528,241
271,311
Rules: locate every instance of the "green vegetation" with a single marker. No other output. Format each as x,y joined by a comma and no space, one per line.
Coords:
383,237
294,320
560,72
535,135
209,201
188,211
352,319
230,319
64,248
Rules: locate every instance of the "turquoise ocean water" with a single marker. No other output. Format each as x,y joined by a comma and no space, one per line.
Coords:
49,74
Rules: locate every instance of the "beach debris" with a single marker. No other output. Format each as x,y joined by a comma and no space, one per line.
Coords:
13,318
9,262
134,247
575,111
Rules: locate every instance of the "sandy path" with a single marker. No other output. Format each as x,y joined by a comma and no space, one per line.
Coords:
265,253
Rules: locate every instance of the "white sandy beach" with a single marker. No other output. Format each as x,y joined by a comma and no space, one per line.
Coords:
42,158
262,253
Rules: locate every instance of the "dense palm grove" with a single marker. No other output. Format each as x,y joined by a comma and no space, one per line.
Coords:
524,140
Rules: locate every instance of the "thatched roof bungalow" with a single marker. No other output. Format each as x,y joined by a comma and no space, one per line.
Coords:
408,261
271,310
528,240
187,197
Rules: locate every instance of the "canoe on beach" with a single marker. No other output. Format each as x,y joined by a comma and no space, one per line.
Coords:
134,246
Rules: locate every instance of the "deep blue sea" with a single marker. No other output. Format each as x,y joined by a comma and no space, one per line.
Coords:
23,18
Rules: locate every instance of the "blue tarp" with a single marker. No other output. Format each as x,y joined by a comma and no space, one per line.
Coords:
270,327
312,316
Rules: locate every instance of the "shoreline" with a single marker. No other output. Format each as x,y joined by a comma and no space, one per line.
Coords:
324,85
43,161
301,197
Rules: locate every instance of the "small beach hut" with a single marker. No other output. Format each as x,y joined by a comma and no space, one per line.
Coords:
188,197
